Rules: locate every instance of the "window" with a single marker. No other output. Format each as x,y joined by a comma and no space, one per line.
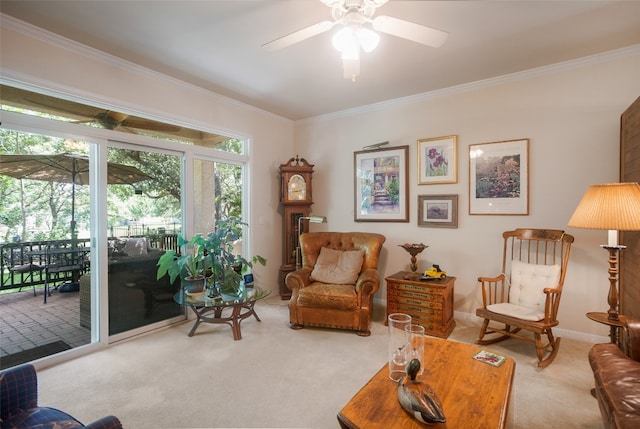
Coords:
31,103
209,166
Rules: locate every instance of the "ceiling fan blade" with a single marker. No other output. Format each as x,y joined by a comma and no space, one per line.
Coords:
299,36
145,124
116,116
124,129
121,121
58,108
411,31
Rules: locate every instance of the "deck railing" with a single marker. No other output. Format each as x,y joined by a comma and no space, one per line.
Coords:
23,264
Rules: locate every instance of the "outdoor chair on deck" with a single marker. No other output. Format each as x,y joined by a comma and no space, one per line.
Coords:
526,296
64,264
27,269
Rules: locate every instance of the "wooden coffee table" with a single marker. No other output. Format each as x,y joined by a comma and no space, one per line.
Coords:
473,393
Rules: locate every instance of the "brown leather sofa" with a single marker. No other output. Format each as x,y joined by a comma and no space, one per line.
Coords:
617,378
343,305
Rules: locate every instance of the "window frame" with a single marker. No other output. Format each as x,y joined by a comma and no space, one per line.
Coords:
100,139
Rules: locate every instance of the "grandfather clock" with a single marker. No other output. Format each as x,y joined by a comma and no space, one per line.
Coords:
296,200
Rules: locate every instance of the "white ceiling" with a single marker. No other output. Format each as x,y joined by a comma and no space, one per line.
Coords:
216,44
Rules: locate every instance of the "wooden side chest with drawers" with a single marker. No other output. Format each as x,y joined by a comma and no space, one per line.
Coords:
429,302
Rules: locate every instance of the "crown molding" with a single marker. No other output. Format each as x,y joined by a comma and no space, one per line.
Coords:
48,37
92,53
628,51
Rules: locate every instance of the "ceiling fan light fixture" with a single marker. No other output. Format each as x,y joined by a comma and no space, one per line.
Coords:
349,40
360,30
351,68
342,38
346,42
351,55
367,38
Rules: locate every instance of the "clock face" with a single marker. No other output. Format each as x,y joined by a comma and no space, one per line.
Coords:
296,188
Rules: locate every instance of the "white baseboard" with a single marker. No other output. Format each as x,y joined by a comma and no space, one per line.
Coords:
559,332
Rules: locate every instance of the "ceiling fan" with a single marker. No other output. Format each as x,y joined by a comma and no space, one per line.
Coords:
112,120
108,119
356,16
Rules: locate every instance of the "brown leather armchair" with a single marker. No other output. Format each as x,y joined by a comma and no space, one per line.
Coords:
617,377
342,306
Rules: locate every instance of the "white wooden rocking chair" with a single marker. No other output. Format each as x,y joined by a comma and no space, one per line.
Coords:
526,296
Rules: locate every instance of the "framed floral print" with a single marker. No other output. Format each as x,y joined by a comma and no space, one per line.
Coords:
438,160
381,185
499,178
438,211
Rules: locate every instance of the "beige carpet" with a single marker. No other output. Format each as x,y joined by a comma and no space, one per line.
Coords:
279,378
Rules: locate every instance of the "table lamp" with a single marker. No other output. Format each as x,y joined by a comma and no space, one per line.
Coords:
614,207
311,219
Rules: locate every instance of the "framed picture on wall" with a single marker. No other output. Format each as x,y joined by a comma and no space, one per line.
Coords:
438,160
438,211
499,178
381,185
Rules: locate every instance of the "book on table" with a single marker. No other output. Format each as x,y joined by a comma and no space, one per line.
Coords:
489,357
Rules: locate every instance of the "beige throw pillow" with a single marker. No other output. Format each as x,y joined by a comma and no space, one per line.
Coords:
136,246
338,266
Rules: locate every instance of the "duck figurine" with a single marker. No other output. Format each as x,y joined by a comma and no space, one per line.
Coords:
418,398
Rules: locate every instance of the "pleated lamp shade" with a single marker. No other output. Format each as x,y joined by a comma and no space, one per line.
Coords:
612,206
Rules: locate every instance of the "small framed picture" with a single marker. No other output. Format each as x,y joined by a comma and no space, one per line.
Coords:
499,178
438,160
438,211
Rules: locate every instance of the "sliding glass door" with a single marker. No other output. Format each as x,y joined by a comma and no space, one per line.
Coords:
218,192
106,225
45,246
144,220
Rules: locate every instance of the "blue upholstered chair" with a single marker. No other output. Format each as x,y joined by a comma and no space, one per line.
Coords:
19,405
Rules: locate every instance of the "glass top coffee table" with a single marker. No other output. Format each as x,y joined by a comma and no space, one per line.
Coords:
210,310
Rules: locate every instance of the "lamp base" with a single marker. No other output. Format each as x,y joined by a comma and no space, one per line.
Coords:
613,312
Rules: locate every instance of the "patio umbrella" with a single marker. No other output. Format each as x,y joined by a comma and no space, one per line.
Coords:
65,168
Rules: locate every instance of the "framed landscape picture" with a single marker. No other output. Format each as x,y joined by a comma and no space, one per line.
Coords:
381,185
499,178
438,211
438,160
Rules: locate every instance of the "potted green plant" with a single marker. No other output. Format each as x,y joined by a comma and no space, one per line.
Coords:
228,267
190,264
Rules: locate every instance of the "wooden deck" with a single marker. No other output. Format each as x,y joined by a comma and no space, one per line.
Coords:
26,322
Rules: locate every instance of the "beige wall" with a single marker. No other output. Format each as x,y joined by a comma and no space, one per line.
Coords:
40,60
571,115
